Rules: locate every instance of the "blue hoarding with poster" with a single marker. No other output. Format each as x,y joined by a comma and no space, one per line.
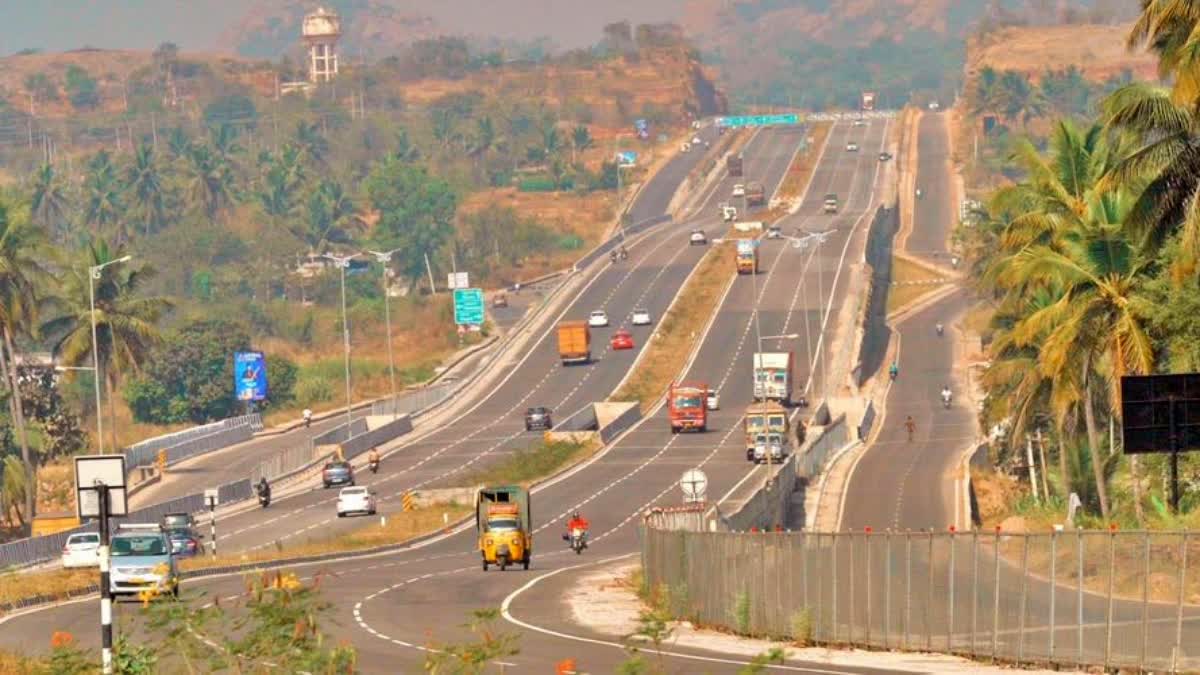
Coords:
250,376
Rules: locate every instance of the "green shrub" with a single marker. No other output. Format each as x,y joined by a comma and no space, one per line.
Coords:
537,184
313,389
802,627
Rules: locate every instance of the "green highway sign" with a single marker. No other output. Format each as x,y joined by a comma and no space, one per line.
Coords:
757,120
468,306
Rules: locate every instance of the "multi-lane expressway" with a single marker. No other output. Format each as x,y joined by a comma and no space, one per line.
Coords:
389,605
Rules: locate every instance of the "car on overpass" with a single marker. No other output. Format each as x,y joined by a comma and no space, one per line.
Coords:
81,549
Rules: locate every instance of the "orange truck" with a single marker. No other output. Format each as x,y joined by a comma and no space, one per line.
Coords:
687,407
747,256
574,342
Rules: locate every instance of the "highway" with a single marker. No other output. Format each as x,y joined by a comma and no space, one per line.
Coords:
429,589
237,461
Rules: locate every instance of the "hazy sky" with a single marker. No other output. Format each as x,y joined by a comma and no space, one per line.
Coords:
194,25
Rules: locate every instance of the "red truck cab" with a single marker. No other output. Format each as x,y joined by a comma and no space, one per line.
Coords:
686,406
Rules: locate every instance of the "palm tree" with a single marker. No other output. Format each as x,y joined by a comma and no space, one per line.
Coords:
102,192
551,140
581,139
210,181
21,272
313,145
329,214
179,143
126,322
50,203
1166,27
146,188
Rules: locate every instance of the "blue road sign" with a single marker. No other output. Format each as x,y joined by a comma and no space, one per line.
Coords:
627,157
249,376
468,306
757,120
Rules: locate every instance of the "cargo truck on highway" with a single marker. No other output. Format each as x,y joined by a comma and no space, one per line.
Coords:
747,256
831,203
687,407
733,165
773,377
763,421
756,195
504,526
868,100
574,342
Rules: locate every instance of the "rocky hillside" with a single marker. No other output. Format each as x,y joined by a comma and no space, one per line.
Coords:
1098,51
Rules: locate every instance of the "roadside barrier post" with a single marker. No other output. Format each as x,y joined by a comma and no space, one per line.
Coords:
1024,598
929,597
1052,586
106,636
833,569
850,580
974,588
1079,597
867,541
996,597
950,605
887,590
1145,599
1108,620
907,589
1183,558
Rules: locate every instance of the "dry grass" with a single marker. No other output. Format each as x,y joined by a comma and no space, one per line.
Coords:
1097,50
400,527
801,170
903,292
18,664
679,329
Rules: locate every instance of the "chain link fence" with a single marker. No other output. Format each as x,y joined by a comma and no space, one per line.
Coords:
1074,598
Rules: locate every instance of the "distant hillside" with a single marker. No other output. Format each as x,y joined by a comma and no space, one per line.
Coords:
1097,51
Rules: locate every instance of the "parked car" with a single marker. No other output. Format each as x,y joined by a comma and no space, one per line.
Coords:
739,190
538,418
622,340
774,232
641,317
337,473
142,561
500,300
184,543
697,237
355,500
81,550
852,147
598,318
713,400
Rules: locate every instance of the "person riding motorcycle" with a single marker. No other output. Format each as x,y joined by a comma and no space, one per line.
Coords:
307,418
373,459
624,253
918,193
946,394
939,327
893,370
613,256
577,522
263,488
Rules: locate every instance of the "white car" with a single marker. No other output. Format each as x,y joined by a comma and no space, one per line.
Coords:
696,140
852,147
355,500
739,190
598,319
81,550
697,237
713,402
641,317
860,123
774,232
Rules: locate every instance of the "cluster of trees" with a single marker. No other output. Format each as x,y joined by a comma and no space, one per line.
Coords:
1092,260
1016,100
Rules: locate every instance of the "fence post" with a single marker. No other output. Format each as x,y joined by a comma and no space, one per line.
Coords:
1183,556
1108,621
907,588
1053,587
1145,600
887,591
974,587
834,569
820,587
996,598
804,568
1024,598
867,542
929,596
1079,597
950,605
850,580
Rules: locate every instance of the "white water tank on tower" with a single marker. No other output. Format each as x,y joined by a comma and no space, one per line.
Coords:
321,31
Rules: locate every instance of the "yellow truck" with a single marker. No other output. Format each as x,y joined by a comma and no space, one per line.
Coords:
747,256
768,419
504,526
574,342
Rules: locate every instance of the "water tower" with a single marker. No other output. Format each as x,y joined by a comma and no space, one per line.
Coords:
321,31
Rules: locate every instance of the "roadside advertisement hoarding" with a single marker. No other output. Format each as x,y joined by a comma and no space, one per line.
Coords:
250,376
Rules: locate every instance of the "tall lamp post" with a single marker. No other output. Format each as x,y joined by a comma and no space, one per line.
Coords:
342,262
95,273
817,239
384,258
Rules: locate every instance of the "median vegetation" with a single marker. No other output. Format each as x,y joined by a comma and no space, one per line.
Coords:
531,464
678,330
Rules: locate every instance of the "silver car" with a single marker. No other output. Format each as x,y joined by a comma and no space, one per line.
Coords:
641,317
142,561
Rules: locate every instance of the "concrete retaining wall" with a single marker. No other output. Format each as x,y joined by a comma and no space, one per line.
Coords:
876,332
767,508
375,437
338,434
620,416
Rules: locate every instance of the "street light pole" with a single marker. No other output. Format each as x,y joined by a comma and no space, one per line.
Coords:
94,275
342,263
384,258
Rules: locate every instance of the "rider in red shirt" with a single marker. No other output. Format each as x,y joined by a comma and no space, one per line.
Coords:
576,522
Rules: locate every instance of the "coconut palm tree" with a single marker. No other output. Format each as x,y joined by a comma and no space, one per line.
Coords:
50,203
581,139
21,273
210,181
126,322
144,179
103,203
1166,27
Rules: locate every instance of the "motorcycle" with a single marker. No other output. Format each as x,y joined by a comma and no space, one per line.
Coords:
374,464
946,401
940,329
264,499
624,253
578,541
893,373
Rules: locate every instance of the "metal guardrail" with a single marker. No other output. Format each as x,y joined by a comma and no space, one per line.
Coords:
413,401
179,444
1078,599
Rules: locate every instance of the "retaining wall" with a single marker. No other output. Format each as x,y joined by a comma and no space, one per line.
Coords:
876,332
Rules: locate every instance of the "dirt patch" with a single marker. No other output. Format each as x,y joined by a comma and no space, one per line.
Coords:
1097,50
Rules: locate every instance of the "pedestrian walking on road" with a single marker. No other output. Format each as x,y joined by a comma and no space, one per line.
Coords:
910,426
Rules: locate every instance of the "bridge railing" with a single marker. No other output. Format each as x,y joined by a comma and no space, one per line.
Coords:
1010,597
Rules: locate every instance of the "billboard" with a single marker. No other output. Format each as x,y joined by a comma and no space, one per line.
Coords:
468,306
626,158
250,376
